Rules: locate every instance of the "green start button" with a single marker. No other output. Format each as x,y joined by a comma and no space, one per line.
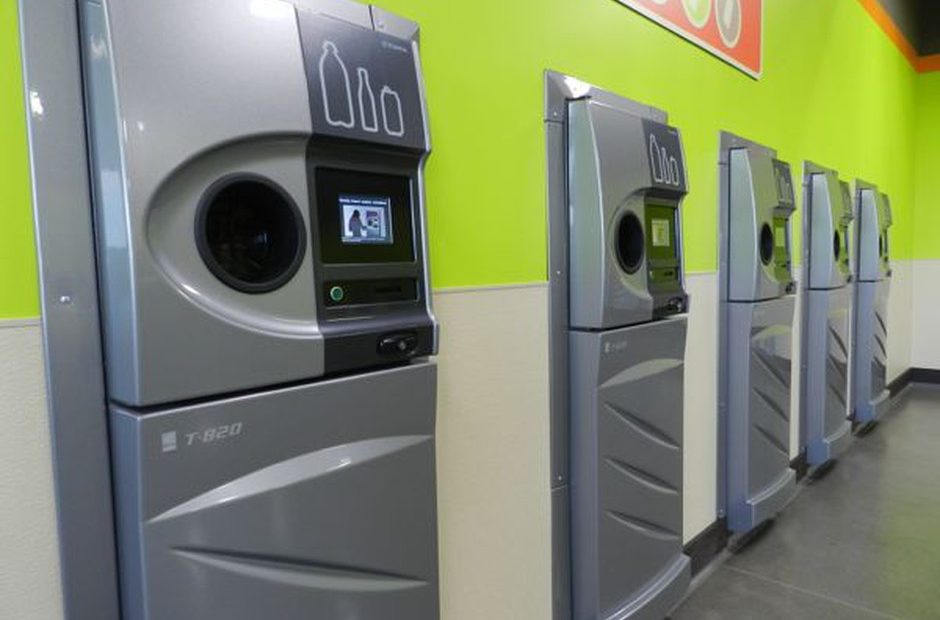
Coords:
337,294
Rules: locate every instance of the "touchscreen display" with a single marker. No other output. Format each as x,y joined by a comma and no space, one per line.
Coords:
661,230
366,219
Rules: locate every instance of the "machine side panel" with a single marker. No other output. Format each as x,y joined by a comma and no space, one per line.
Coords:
319,497
627,396
760,357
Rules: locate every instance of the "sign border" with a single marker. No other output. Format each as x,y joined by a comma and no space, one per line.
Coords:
708,47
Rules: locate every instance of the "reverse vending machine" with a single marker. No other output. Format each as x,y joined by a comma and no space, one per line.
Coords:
617,178
258,196
872,259
757,301
825,428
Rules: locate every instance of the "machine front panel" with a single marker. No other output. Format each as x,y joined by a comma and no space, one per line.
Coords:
626,178
627,408
195,127
870,352
759,206
760,480
315,499
825,427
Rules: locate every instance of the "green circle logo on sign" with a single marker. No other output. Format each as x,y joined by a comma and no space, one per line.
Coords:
698,11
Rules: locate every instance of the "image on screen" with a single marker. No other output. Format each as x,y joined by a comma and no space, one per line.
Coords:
366,219
661,230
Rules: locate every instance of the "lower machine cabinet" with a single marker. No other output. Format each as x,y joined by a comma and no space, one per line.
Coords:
759,478
626,471
870,357
314,502
825,427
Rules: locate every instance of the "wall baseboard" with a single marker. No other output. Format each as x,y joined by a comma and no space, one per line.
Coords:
929,376
800,466
913,376
900,382
708,545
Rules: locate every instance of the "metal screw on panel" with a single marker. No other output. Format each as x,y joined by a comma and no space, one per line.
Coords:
65,300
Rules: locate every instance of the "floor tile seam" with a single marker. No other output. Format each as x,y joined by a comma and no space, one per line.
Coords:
813,593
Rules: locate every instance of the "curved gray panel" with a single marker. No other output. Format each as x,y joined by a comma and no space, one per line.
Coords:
627,395
313,499
759,477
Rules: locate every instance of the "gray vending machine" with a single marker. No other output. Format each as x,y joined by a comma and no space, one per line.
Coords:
757,301
267,325
825,429
620,314
870,395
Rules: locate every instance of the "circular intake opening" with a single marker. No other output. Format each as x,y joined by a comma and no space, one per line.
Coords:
837,245
766,244
630,243
250,233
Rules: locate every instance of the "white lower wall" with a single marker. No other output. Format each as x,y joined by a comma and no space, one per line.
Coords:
925,314
901,309
700,431
493,443
493,454
29,561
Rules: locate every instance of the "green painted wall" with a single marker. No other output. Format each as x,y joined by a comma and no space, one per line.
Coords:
19,295
835,90
926,240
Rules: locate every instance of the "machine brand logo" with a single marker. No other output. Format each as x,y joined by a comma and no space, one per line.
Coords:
169,441
615,347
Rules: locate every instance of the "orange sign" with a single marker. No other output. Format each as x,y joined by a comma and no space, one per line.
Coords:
729,29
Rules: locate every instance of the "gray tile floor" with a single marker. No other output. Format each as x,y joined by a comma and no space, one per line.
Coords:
863,542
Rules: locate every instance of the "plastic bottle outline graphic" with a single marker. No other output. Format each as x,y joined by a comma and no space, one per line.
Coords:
655,162
730,21
388,95
331,60
665,167
368,113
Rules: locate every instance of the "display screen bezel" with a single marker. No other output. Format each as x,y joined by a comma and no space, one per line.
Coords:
331,184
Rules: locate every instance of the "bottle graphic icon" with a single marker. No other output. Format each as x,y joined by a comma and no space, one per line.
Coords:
335,87
392,116
367,110
664,167
656,163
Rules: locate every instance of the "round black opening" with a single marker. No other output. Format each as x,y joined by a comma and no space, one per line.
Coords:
250,233
881,245
630,243
837,245
766,244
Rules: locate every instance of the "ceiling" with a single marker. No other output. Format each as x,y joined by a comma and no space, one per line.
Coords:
919,20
